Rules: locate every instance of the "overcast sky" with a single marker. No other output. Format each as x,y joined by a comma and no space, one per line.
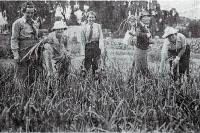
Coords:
187,8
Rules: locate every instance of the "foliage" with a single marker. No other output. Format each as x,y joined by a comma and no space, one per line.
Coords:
194,28
113,104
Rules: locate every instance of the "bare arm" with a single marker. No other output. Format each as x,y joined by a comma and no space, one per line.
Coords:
184,47
101,41
164,55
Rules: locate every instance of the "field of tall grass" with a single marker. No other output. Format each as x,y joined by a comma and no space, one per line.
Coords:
114,104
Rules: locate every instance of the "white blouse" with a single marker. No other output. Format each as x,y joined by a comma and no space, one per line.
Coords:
96,36
180,42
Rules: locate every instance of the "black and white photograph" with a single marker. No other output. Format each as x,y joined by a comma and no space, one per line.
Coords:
100,66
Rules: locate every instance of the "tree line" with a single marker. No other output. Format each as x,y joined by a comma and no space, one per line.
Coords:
109,13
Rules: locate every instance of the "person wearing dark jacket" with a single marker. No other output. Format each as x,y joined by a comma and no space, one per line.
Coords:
143,35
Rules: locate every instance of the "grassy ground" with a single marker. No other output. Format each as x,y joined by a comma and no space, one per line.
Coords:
75,104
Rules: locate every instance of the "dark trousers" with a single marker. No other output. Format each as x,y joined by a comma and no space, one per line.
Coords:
25,71
28,70
92,55
183,63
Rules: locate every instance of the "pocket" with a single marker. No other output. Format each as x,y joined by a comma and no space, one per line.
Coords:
97,53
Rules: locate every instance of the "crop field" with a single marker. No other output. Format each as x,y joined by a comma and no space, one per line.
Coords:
112,105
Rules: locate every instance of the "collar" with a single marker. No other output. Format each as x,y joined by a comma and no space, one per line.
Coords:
90,24
143,25
24,19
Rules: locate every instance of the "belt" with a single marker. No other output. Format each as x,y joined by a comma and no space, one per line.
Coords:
27,43
92,44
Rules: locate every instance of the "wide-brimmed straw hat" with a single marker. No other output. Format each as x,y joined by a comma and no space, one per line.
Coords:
59,25
144,13
169,31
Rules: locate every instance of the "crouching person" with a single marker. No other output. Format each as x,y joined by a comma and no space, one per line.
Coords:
92,38
56,57
176,49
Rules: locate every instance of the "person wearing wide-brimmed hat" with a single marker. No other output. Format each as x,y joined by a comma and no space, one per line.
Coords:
177,50
143,35
55,50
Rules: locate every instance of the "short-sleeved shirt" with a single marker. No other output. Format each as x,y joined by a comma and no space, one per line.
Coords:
180,42
22,30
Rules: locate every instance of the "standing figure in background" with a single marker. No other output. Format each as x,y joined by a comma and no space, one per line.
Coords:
173,17
176,49
92,38
24,37
140,64
129,38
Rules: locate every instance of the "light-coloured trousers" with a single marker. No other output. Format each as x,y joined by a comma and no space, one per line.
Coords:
140,64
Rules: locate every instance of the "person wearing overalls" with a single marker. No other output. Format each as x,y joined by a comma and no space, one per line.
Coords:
24,37
176,49
92,38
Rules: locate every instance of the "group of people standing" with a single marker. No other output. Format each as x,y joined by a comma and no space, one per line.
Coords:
55,47
51,52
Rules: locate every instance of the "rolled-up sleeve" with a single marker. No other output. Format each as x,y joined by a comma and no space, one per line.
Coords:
101,40
183,40
15,35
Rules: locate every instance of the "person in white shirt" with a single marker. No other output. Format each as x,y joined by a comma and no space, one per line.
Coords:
176,49
24,37
92,38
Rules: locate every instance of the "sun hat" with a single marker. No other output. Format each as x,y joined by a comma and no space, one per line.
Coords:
169,31
59,25
144,13
153,13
